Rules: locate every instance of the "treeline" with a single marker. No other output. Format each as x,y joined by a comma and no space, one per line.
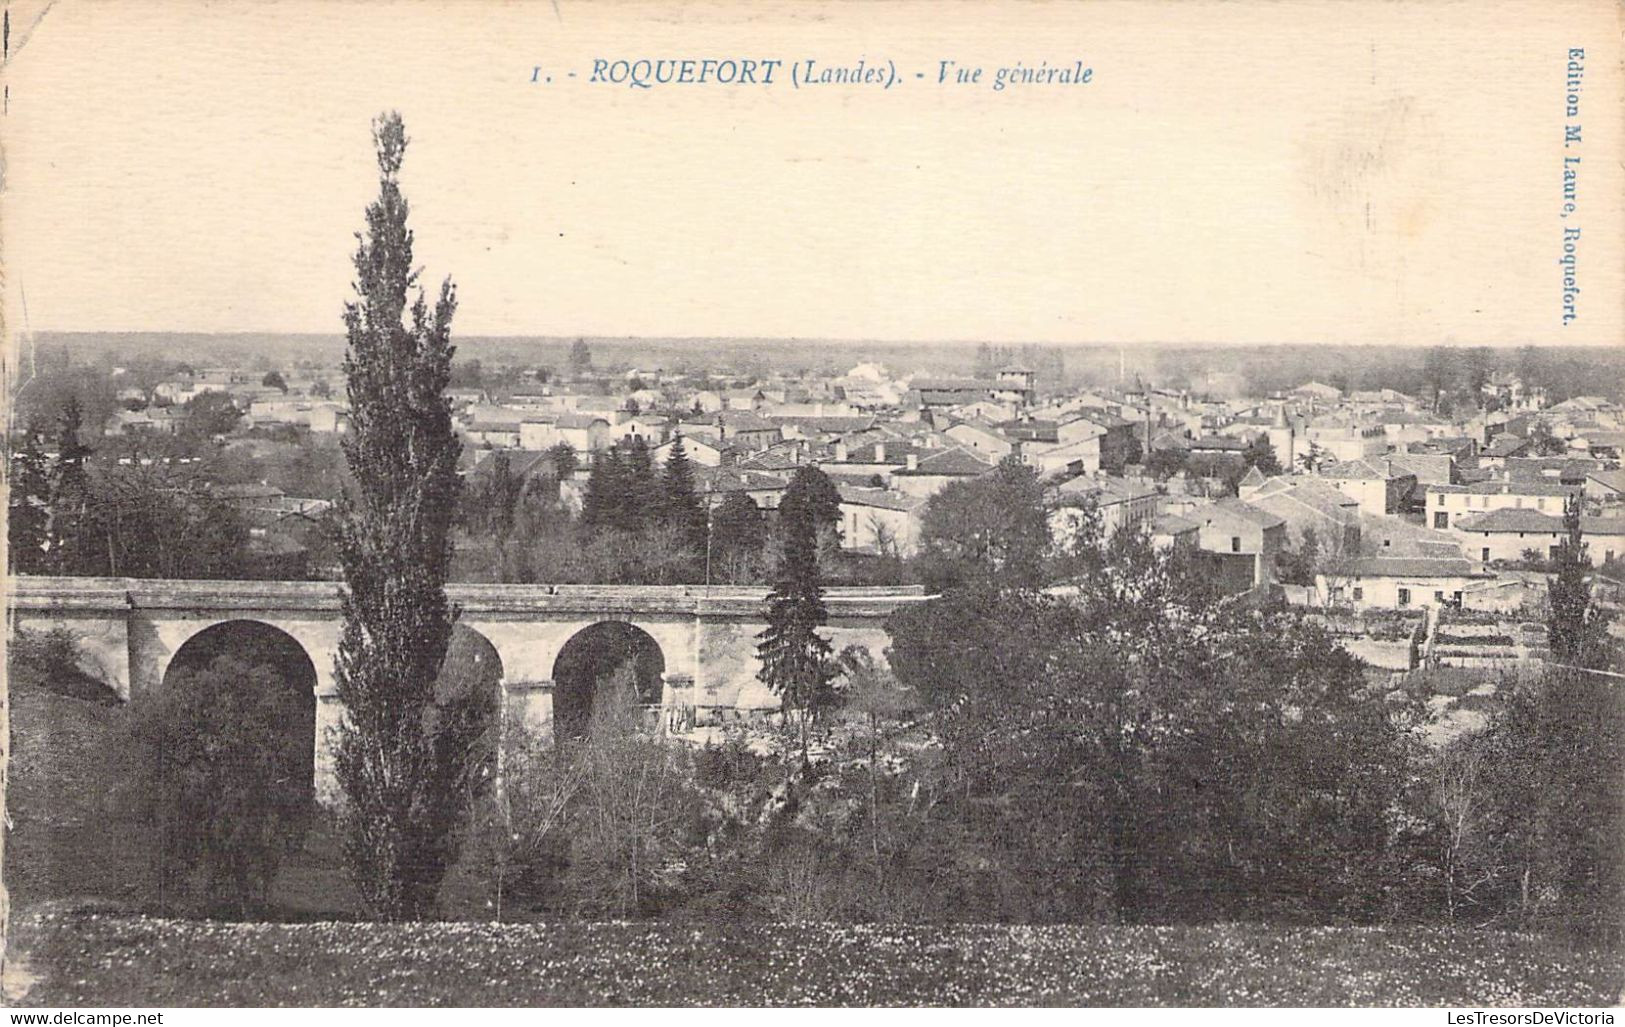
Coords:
1450,375
69,514
638,524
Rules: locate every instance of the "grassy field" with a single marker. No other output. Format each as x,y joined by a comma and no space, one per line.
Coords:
83,960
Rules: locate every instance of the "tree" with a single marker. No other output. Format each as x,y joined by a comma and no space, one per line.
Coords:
230,778
738,538
211,414
565,460
274,380
1143,750
679,503
1438,371
580,356
992,529
29,504
400,749
69,506
1577,628
1260,454
796,662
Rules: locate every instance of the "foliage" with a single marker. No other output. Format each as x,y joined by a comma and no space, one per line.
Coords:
1578,628
401,752
50,660
738,538
580,356
211,414
29,505
226,748
795,657
679,506
989,530
1518,827
1260,454
274,380
1144,751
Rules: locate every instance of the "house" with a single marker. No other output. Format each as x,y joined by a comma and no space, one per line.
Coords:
1080,456
1447,504
880,521
1121,504
763,488
585,433
925,393
1508,534
1239,543
1341,442
1171,531
1503,446
1309,505
1401,565
925,476
1379,488
741,429
1605,486
700,452
984,439
1317,391
495,426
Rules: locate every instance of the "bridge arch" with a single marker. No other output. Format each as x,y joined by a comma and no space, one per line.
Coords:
590,660
254,642
471,679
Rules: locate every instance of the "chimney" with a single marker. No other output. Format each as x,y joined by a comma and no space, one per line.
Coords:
913,461
840,452
880,452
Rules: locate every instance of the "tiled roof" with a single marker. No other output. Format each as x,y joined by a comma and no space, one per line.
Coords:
1414,567
883,499
954,461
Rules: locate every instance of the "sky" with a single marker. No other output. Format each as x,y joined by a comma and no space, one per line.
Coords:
1233,172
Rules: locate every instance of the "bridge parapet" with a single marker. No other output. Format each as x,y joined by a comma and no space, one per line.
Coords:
111,594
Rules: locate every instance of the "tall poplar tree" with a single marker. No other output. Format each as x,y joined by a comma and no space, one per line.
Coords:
400,752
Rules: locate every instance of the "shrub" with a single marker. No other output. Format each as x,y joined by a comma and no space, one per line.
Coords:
226,781
50,660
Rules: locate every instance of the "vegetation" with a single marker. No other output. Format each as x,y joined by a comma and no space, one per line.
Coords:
226,781
401,750
795,657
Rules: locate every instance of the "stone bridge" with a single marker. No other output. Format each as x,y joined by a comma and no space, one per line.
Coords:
695,644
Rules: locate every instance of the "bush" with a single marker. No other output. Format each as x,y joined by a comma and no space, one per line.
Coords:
224,751
50,660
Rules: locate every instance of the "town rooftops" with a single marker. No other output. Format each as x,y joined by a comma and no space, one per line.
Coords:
954,385
1104,489
1416,567
1537,522
1358,470
955,462
1217,443
883,499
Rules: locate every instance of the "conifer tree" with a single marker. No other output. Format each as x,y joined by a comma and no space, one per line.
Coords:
796,659
399,751
604,490
70,494
641,497
679,502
